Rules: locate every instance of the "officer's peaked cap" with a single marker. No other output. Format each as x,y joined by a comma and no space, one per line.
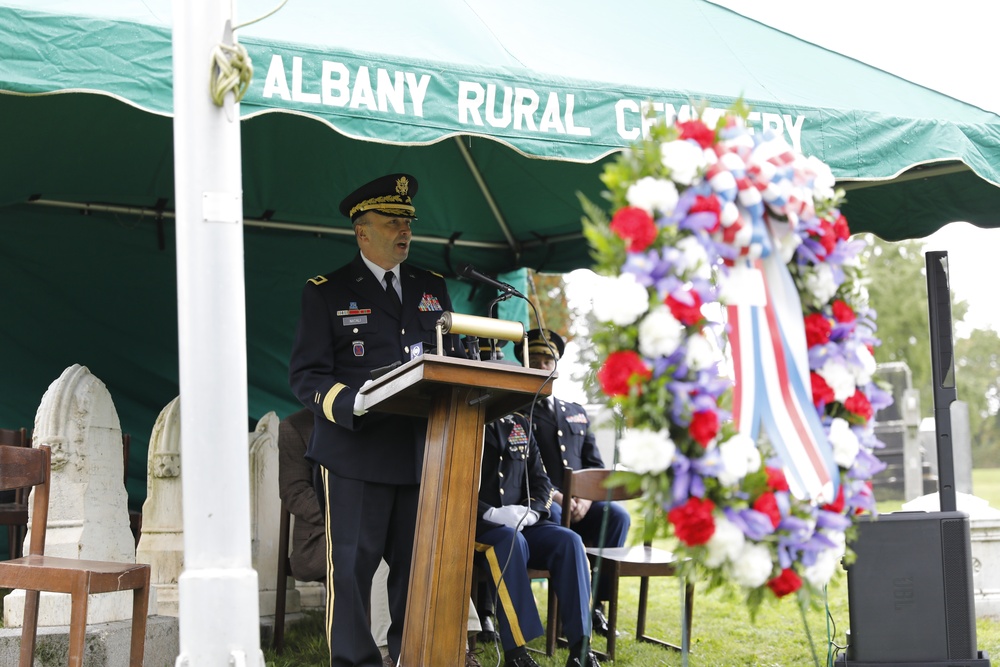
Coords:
539,342
389,195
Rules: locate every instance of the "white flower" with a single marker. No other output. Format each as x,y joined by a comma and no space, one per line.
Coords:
753,566
784,240
865,367
620,300
660,334
845,442
739,456
823,180
684,159
821,283
840,379
645,451
726,543
700,353
694,259
653,194
819,573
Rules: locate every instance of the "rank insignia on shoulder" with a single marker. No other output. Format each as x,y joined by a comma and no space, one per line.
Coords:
318,280
435,273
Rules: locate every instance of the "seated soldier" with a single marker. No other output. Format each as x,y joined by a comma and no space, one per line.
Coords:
308,557
514,533
562,430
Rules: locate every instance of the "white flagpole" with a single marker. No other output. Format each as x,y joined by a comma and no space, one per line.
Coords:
219,608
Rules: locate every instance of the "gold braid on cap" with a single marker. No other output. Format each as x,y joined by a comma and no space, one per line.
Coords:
538,346
397,203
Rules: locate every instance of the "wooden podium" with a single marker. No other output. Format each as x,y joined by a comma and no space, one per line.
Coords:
458,397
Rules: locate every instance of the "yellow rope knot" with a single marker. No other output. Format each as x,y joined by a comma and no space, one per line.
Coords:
231,71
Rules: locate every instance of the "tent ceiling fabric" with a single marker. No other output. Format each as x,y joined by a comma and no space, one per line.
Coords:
537,117
504,131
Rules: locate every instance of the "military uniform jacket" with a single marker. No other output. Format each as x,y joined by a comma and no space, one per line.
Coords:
565,439
348,327
510,459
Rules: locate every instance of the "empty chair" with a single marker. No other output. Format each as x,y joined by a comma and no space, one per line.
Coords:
22,467
639,561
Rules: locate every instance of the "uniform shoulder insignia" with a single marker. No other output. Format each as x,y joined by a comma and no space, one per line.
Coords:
435,273
318,280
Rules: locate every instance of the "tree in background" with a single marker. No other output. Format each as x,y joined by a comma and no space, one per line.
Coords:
548,292
898,293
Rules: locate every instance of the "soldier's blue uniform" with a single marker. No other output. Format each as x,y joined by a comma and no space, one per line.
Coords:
512,474
369,465
566,441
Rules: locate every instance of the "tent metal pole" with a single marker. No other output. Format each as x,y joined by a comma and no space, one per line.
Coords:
219,616
487,195
152,213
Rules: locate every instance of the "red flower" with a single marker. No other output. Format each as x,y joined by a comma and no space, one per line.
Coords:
635,226
817,329
859,405
827,237
776,479
822,393
842,312
618,371
841,229
767,504
838,504
693,522
697,130
687,314
707,205
786,582
704,426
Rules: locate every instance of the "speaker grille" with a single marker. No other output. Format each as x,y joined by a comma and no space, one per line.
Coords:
956,583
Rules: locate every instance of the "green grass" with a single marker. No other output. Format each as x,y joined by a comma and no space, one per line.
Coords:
723,633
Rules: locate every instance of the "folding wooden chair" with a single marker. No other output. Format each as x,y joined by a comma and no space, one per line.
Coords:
22,467
644,562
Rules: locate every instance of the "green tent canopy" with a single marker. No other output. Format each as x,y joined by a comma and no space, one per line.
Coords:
504,112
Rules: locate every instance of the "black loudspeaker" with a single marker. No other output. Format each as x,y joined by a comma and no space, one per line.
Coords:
910,592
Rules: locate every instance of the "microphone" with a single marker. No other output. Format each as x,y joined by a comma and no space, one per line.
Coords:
470,272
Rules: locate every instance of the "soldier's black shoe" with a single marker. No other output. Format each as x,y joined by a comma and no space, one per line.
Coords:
600,622
589,661
518,657
488,633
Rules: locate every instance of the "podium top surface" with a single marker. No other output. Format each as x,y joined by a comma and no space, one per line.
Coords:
410,389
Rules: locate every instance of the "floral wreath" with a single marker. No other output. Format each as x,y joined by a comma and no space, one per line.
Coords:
693,207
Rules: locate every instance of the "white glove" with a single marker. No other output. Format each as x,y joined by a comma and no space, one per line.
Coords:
359,400
512,516
532,518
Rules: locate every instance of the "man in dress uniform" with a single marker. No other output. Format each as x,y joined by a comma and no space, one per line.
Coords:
565,440
364,316
514,533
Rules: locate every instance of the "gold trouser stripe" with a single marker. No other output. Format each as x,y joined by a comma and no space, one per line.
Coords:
502,593
328,400
329,561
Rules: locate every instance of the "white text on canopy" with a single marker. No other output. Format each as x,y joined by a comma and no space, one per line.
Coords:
340,87
520,109
633,119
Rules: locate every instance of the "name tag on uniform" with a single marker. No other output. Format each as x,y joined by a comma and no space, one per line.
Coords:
357,319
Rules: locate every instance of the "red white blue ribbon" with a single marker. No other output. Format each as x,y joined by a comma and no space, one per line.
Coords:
772,388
